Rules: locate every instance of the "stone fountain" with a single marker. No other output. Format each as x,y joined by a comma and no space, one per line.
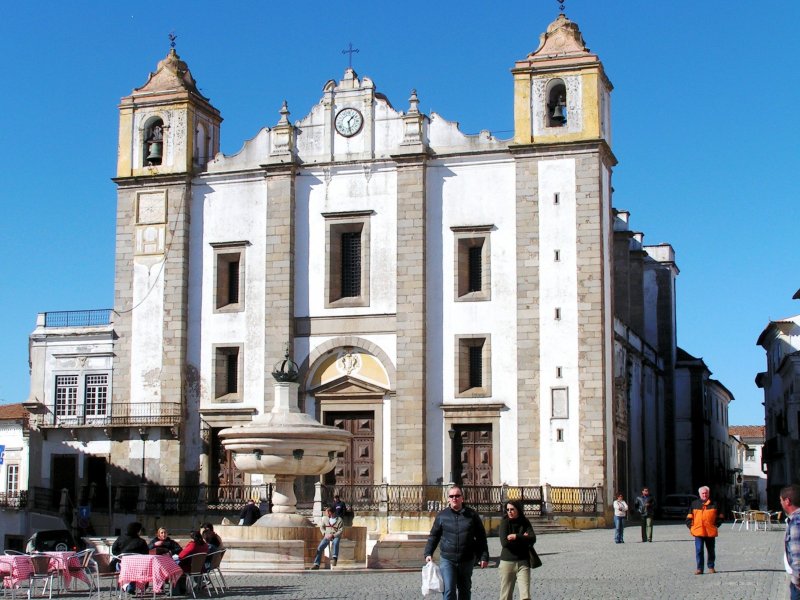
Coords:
283,443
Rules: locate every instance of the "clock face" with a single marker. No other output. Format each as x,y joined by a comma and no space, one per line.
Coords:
349,122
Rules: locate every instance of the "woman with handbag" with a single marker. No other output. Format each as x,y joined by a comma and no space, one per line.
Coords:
517,539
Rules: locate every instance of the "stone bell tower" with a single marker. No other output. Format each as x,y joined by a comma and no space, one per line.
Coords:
561,92
565,313
167,132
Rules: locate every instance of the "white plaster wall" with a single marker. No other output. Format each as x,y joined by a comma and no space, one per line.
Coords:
347,189
479,191
147,318
232,210
15,453
558,285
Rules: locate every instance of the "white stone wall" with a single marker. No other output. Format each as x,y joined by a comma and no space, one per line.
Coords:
558,290
230,209
471,192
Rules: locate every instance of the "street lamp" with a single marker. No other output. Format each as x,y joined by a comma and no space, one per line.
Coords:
143,435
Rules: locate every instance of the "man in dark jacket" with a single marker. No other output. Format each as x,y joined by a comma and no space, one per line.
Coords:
250,513
463,538
646,505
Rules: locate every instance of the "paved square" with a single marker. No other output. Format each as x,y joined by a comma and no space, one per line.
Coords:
587,564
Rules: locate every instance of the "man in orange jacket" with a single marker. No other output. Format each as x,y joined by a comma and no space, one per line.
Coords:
703,520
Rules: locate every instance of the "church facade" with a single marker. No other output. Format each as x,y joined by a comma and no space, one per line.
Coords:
471,309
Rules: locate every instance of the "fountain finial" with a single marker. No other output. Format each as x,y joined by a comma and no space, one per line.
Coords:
286,369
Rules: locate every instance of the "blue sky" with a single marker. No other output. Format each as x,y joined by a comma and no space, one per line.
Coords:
704,116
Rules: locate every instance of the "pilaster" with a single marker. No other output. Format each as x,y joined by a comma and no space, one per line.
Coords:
528,335
279,273
409,406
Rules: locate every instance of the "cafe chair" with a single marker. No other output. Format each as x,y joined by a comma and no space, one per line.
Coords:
84,558
195,576
214,572
740,517
759,519
42,572
100,570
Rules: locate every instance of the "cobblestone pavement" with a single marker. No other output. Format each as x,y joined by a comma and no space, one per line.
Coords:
587,564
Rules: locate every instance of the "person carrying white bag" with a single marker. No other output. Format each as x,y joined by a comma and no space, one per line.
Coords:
432,582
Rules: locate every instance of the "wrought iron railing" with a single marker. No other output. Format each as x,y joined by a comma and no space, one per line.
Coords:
403,498
78,318
152,498
118,414
18,500
573,500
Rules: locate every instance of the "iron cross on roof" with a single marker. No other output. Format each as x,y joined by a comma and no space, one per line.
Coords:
350,50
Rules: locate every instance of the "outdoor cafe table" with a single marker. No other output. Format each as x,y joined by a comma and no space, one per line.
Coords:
154,569
62,562
15,568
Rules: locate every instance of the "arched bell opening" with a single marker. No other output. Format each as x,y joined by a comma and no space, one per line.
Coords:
153,143
556,113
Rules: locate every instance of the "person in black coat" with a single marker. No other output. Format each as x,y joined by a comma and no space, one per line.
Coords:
163,544
516,539
250,513
463,539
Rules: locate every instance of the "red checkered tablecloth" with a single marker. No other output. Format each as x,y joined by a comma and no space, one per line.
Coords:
14,569
142,569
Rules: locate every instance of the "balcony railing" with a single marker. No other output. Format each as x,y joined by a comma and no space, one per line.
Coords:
78,318
118,414
18,500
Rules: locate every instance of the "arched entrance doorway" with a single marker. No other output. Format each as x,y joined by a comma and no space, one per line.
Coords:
349,387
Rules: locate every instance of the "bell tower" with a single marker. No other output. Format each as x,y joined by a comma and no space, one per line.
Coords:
561,93
167,125
168,131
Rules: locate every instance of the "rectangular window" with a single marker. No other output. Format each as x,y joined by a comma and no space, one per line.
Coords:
229,276
473,366
351,264
66,395
347,259
473,277
558,314
12,480
559,372
559,399
556,198
475,270
96,395
750,454
556,255
559,435
228,367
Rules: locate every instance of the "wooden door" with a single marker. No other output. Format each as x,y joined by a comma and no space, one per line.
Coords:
473,449
356,465
225,477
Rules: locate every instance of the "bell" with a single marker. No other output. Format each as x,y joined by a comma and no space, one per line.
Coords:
154,151
558,111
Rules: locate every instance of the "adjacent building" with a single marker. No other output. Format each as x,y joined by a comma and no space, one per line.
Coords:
754,479
781,384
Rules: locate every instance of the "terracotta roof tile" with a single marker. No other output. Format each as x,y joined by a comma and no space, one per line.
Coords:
747,431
